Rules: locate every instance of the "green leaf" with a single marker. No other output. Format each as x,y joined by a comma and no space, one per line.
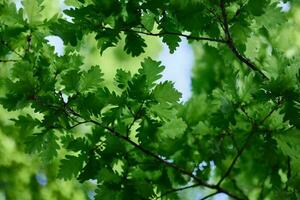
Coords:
34,142
90,170
165,92
152,70
256,7
70,166
172,40
90,104
107,193
148,20
44,143
107,38
91,79
292,113
164,111
134,44
50,146
288,142
33,11
26,123
137,88
173,128
122,78
70,33
272,17
71,80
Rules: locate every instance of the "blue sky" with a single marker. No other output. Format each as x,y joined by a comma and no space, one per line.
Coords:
179,67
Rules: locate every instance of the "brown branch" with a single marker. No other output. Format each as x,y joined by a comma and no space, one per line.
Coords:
232,47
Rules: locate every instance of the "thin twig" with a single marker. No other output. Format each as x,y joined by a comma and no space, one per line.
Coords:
10,49
177,190
167,163
183,171
210,195
10,60
190,37
261,193
241,150
231,45
233,140
289,172
79,123
246,114
135,117
278,104
239,153
238,188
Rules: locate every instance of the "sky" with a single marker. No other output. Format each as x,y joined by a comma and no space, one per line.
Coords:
179,67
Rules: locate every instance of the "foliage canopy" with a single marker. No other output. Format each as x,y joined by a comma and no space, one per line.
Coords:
237,135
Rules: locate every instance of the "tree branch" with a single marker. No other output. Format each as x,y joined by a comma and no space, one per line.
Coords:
5,61
238,188
231,45
197,179
278,104
239,153
79,123
241,150
177,190
210,195
246,114
135,117
10,49
167,163
190,37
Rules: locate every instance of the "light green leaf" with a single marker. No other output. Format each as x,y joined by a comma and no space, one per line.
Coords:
33,10
91,79
165,92
152,70
148,21
173,128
